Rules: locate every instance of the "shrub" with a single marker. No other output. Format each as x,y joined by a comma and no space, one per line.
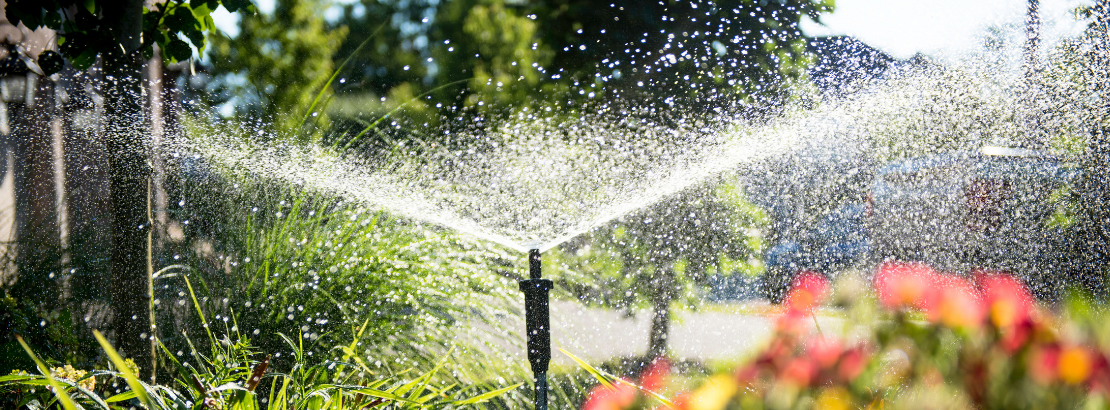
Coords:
922,339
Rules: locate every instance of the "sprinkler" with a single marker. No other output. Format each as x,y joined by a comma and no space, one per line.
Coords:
538,325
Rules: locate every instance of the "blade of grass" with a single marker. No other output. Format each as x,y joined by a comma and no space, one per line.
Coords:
59,392
121,365
608,379
335,73
488,395
597,374
399,107
196,304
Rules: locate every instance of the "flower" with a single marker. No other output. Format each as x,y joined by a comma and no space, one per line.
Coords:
807,291
902,284
1042,363
604,397
958,304
1075,364
825,351
654,377
799,371
852,363
836,398
713,395
68,373
1008,301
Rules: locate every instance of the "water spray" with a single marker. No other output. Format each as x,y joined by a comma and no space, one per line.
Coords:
538,325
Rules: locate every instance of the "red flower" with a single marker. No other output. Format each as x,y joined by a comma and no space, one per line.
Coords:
902,284
654,377
1007,300
808,290
852,364
618,397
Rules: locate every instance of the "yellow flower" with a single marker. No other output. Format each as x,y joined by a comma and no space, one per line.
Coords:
835,398
73,375
131,365
714,394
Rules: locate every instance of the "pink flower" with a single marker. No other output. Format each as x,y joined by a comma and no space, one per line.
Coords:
958,304
799,371
825,351
902,284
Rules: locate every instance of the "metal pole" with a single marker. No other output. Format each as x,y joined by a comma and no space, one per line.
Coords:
537,323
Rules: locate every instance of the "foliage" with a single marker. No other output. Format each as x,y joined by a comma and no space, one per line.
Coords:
922,340
49,331
278,64
230,374
83,34
567,55
266,256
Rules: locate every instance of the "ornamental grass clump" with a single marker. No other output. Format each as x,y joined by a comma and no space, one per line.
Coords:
917,338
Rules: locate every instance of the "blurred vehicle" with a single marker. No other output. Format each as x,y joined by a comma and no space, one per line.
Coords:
836,242
973,209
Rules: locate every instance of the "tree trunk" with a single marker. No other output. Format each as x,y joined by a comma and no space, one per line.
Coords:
662,289
129,175
36,222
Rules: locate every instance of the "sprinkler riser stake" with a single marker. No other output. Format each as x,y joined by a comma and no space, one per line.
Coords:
538,325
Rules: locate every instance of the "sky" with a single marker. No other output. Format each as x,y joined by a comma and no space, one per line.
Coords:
901,28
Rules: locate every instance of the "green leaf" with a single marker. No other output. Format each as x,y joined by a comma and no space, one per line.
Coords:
197,38
127,395
182,20
235,5
53,20
601,377
178,50
84,60
121,365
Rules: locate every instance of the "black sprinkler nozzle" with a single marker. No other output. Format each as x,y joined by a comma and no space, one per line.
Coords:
538,325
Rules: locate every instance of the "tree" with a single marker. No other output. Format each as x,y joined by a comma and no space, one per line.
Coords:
567,54
121,34
661,254
279,63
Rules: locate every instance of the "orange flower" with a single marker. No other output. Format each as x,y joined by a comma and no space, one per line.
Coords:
1075,364
808,290
901,284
